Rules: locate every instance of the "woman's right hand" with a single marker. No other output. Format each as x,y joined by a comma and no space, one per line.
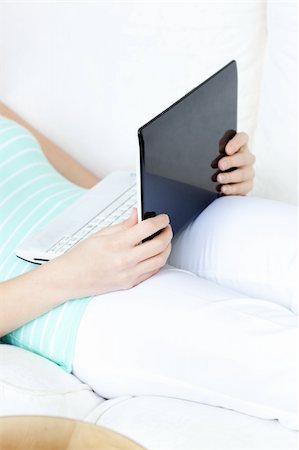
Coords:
112,258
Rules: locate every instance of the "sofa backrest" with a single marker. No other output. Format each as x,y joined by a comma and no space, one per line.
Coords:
276,136
89,74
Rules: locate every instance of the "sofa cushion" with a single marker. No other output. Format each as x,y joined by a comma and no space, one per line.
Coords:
31,384
275,143
172,424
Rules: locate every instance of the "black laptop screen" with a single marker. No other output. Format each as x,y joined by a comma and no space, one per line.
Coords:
180,149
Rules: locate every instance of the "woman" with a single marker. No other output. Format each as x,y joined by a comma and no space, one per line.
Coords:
129,342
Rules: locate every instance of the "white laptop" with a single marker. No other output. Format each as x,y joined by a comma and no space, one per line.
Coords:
110,201
175,172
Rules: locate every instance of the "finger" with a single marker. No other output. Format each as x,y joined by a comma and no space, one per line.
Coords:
134,216
145,251
153,247
242,158
144,277
144,229
238,188
155,262
238,141
214,163
125,225
236,176
227,136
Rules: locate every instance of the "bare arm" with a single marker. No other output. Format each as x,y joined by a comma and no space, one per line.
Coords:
29,295
63,163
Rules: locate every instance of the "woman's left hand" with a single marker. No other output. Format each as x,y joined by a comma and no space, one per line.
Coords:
240,180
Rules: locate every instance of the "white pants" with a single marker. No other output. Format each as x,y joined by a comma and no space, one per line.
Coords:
218,328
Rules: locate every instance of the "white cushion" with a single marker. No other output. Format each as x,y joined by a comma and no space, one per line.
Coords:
160,423
30,384
275,143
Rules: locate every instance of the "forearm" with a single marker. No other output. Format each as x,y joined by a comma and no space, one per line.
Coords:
29,295
63,163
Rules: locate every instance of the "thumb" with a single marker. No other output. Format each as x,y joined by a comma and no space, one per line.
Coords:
125,225
133,217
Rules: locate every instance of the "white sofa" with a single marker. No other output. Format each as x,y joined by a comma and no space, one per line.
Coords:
33,385
111,67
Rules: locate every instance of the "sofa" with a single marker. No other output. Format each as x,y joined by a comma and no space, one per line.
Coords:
57,73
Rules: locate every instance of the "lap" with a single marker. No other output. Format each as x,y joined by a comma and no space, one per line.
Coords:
181,336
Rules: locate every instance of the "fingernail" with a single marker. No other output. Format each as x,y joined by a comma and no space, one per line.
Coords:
221,178
224,189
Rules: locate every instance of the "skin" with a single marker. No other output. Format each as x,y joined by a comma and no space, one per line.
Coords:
111,259
239,181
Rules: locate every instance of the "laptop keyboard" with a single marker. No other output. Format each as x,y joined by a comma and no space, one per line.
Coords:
119,210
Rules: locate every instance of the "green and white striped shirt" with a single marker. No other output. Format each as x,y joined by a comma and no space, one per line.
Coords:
32,192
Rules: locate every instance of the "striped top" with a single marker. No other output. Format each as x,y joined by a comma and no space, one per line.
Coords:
32,192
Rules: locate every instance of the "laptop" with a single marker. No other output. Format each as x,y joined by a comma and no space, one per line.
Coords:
176,171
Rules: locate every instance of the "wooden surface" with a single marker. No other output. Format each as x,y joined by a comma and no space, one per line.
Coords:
53,433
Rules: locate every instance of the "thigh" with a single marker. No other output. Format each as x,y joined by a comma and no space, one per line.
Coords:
181,336
245,243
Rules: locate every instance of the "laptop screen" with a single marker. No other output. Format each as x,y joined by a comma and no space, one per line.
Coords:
181,147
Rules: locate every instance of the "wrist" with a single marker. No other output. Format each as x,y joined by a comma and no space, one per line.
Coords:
56,279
